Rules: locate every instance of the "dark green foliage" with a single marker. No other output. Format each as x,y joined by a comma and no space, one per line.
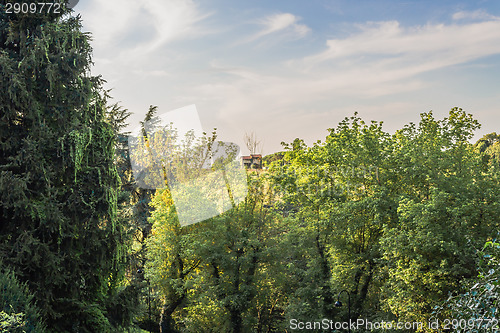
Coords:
128,302
123,300
268,159
18,312
122,306
58,180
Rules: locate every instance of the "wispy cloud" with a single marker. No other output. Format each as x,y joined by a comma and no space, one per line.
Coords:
380,59
141,25
438,44
479,14
132,39
384,58
284,22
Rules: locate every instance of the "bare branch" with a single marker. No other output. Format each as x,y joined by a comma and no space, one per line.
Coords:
253,144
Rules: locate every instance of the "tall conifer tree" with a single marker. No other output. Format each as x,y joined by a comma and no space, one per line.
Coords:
58,182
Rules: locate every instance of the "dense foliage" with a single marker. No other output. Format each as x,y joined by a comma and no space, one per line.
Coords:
392,220
58,181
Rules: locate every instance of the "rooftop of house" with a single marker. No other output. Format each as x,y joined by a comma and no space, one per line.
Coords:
251,156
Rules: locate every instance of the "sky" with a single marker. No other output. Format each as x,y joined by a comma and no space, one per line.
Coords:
286,69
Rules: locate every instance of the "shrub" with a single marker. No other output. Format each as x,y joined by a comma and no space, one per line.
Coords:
476,309
18,312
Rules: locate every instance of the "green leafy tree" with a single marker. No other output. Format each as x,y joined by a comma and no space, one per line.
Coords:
390,218
209,273
295,178
169,248
445,208
337,194
171,258
235,288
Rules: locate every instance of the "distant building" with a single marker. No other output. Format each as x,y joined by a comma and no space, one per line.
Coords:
253,161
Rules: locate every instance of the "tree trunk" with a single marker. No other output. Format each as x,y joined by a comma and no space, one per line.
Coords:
363,291
325,269
167,323
236,326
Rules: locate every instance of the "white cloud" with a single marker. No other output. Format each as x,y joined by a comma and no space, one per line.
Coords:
284,22
132,39
384,58
381,59
447,44
278,22
140,25
478,14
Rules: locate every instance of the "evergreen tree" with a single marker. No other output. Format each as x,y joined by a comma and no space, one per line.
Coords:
59,230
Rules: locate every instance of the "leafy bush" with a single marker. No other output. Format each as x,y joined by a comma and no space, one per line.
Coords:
18,312
11,323
476,309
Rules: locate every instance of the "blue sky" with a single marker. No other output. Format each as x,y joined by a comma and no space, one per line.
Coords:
289,68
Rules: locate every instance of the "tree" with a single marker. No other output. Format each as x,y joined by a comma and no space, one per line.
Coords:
237,252
393,219
169,249
58,181
253,144
444,209
338,197
372,214
296,181
171,261
207,272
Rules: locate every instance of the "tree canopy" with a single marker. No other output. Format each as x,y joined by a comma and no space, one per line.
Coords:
405,223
